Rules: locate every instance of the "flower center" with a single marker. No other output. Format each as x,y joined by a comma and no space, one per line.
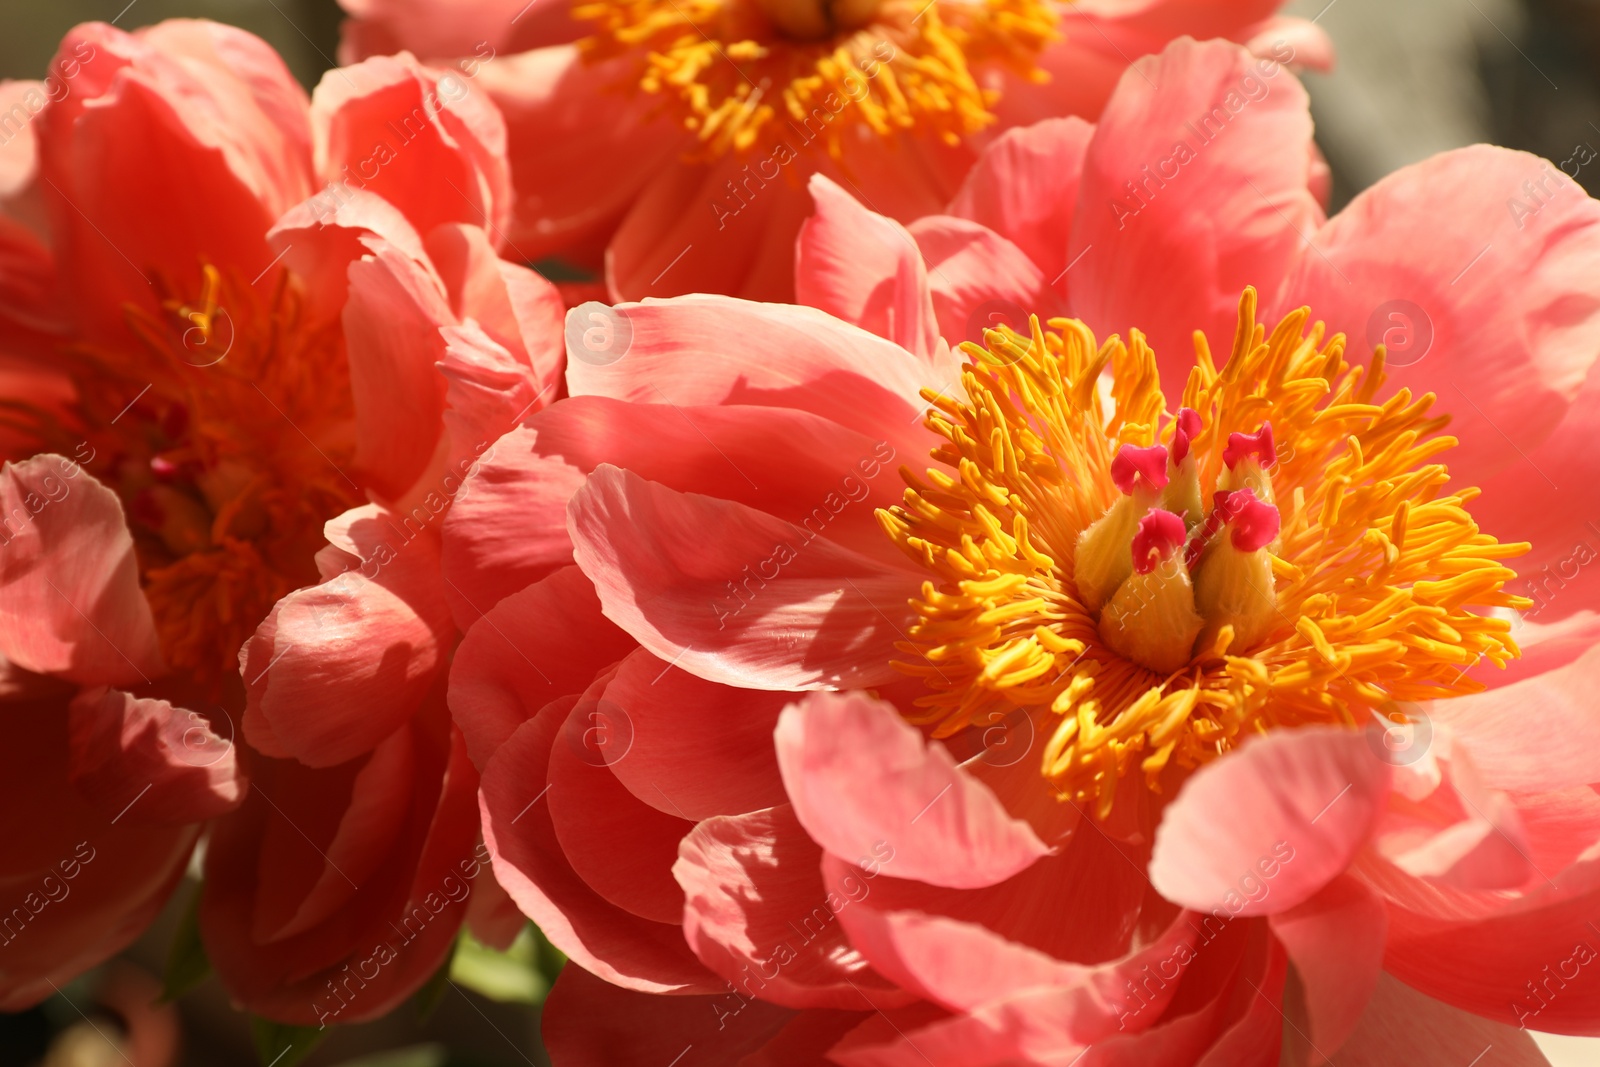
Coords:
1282,551
783,73
224,429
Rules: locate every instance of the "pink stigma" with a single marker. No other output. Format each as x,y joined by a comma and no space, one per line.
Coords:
1185,431
1158,537
1258,444
1133,463
1253,523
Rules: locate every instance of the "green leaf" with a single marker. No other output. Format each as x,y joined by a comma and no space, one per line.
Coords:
187,963
510,977
282,1045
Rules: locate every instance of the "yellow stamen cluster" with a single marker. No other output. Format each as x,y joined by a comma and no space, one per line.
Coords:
224,427
1380,572
749,73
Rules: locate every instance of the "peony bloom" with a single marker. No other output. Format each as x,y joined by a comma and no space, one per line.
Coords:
1089,740
272,334
723,108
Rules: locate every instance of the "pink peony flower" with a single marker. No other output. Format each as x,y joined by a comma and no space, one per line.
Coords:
678,137
248,317
1172,714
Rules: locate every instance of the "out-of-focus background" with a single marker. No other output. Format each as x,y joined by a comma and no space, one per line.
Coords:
1414,77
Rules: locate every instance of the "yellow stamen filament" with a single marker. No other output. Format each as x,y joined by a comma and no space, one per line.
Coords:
226,426
743,73
1376,589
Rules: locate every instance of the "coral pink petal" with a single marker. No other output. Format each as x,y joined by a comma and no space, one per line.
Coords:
1558,828
146,760
865,269
768,354
27,275
514,305
1299,801
173,160
512,662
70,602
1223,1021
961,964
1216,157
1251,1035
589,1022
1402,262
480,30
979,279
492,916
19,155
1335,945
351,836
529,863
733,594
688,232
397,128
1291,40
391,321
805,1039
698,749
623,848
1478,951
1401,1025
1533,736
339,666
508,527
256,110
569,188
1531,501
1082,74
488,391
393,824
1024,187
863,780
320,238
1461,833
1546,642
1011,934
730,226
1147,24
757,913
83,889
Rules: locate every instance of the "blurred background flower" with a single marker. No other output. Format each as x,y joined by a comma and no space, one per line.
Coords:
1414,77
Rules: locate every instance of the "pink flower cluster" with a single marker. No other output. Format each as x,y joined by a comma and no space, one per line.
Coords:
795,649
